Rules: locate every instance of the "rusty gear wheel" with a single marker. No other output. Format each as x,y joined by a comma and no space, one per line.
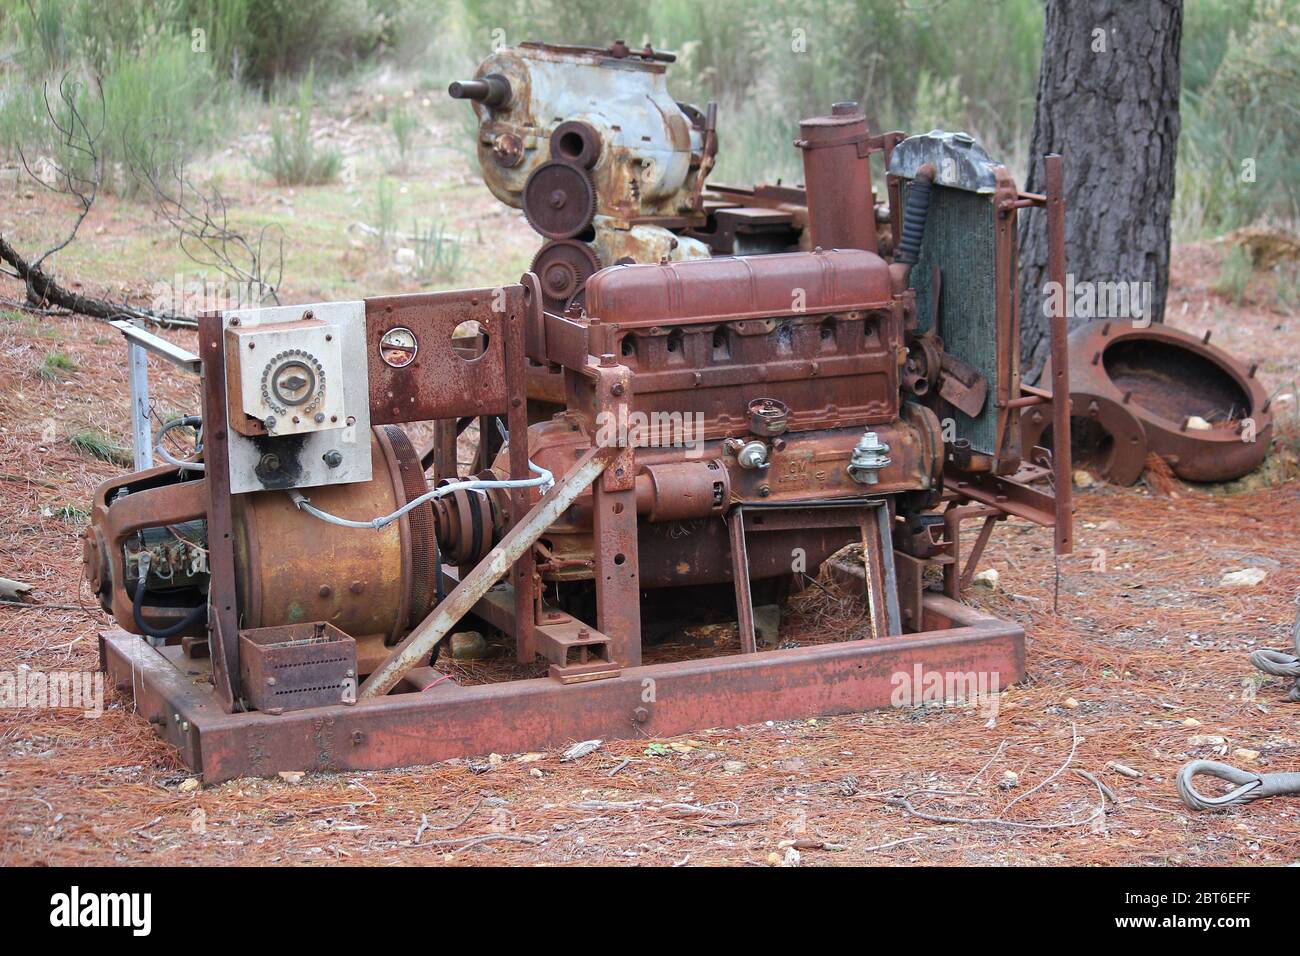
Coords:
559,200
563,267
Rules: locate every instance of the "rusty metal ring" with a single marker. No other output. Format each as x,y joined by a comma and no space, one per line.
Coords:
576,142
1120,452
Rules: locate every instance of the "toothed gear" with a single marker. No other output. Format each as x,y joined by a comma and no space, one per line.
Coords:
559,200
563,267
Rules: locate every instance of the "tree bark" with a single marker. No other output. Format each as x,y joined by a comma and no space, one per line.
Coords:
1108,103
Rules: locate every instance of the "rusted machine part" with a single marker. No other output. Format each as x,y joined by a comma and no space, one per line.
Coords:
605,113
563,267
837,176
1105,436
468,525
289,566
527,715
680,501
1166,379
576,142
123,507
559,200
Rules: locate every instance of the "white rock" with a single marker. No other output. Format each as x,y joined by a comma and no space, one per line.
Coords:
580,750
733,766
1206,740
988,577
189,785
1245,578
1247,756
1082,479
292,776
1198,423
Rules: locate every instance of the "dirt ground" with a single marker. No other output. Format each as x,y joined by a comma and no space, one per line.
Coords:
1137,658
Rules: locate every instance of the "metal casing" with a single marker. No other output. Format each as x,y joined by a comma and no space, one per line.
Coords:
646,140
268,462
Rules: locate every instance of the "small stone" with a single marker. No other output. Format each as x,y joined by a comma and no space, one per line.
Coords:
1247,756
469,646
1191,722
988,577
534,772
1070,702
189,785
1010,780
580,750
1082,479
733,766
292,776
1245,578
773,859
1206,740
791,857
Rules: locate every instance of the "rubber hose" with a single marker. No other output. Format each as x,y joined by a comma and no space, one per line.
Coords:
914,215
188,621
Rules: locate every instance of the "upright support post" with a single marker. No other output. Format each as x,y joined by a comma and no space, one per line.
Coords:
1062,467
740,578
142,434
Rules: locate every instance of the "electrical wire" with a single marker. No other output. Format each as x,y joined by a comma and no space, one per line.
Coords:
544,480
188,421
137,605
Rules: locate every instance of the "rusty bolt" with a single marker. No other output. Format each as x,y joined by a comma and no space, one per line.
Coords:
764,491
356,587
617,389
640,715
270,462
325,590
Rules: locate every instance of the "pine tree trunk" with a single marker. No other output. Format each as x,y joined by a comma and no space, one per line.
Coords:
1108,103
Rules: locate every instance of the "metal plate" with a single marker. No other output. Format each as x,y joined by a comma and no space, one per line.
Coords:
301,457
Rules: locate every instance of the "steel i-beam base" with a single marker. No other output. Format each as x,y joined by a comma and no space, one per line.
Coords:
449,720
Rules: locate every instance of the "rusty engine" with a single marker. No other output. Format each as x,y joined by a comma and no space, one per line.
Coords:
658,414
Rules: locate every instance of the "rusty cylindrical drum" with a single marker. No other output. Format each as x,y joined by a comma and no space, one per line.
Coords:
837,179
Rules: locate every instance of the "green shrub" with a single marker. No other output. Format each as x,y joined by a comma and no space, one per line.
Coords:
53,365
437,255
293,158
98,445
404,123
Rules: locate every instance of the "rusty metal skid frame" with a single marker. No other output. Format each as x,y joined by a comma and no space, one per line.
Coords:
517,716
197,703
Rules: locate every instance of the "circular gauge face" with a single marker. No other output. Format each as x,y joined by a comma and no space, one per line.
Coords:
398,347
293,383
